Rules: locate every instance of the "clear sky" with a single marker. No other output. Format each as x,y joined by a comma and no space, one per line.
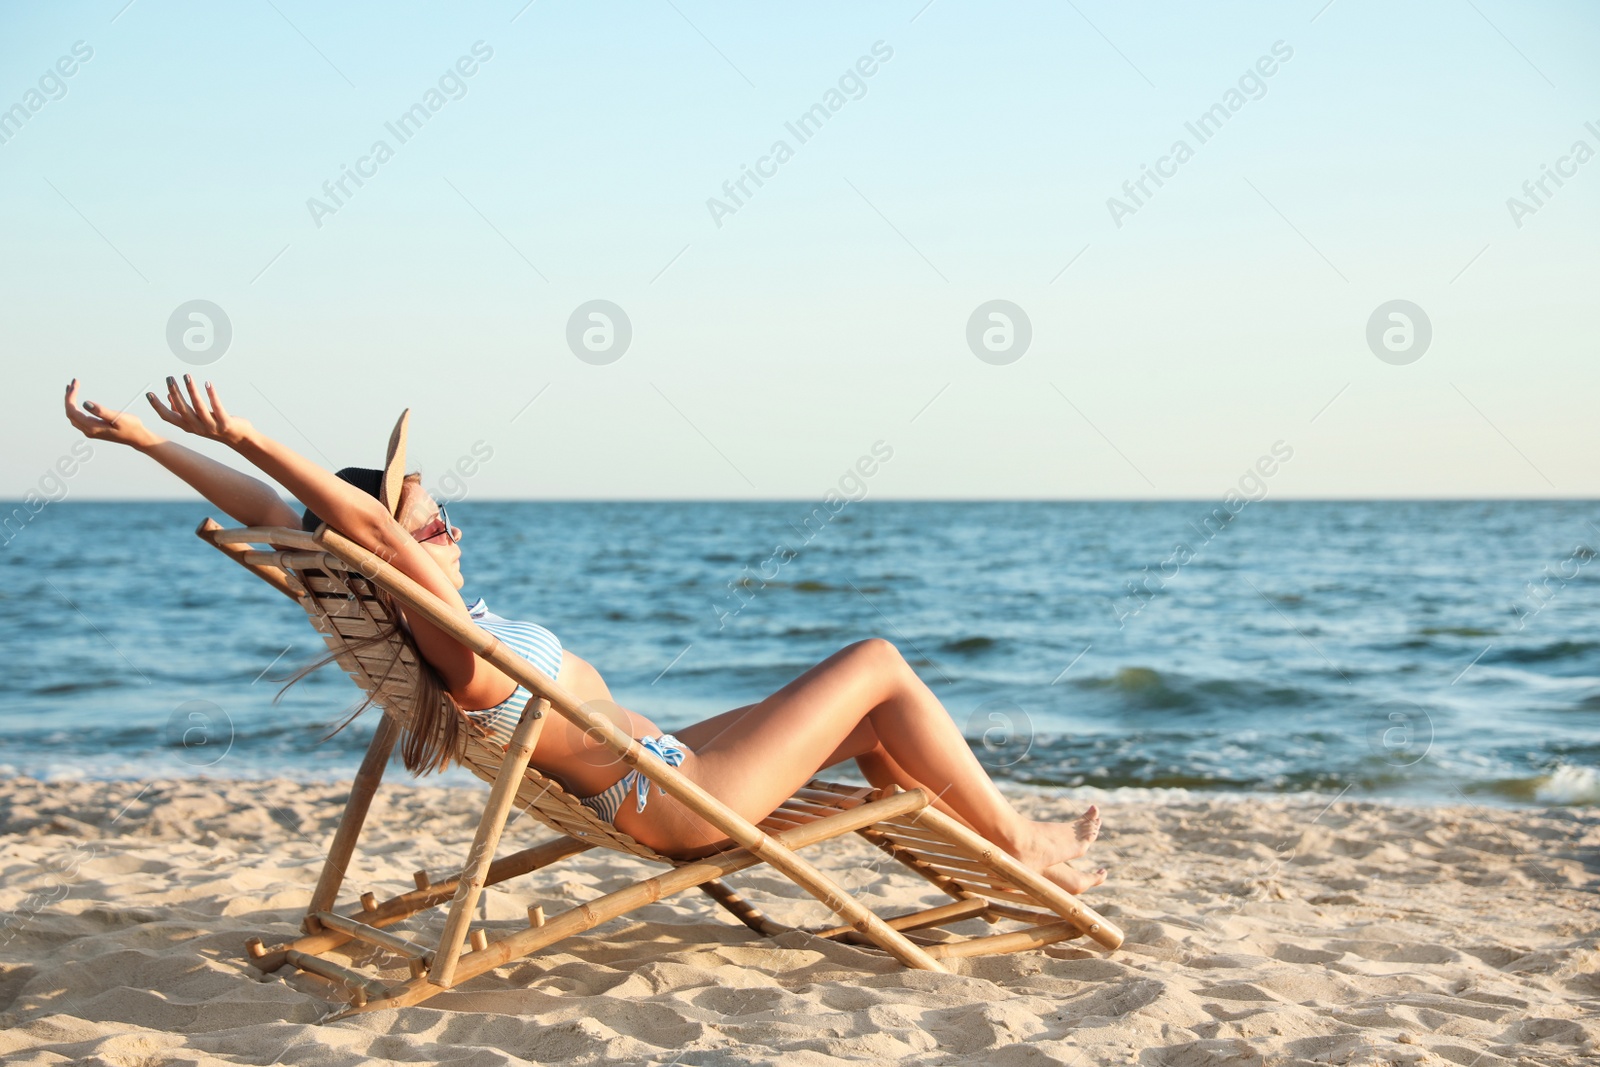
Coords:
1357,153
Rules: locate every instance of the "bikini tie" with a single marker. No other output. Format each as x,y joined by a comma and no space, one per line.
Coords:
669,750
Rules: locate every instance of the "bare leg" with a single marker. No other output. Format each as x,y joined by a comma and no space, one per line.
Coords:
863,701
879,768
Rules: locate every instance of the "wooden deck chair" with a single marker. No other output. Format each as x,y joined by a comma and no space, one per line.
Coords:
348,593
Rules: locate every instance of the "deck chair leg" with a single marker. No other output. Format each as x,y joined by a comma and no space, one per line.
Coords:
742,909
502,795
355,815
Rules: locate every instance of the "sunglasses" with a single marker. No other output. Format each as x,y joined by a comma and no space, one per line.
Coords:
436,529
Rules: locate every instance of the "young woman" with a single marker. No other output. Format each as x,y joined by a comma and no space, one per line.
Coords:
863,703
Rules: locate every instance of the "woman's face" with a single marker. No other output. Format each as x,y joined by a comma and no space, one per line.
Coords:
419,514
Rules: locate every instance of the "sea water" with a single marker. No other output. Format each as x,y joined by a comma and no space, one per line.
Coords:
1438,651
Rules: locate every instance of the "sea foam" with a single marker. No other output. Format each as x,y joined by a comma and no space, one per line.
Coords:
1570,785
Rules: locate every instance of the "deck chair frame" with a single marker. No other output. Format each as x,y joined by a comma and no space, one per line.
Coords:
338,583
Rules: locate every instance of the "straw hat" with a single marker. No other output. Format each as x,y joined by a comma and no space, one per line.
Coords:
394,464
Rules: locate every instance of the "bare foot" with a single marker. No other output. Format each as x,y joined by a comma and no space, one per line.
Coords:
1074,881
1085,829
1051,844
1057,842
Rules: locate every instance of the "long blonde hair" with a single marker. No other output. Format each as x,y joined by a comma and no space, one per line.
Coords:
435,726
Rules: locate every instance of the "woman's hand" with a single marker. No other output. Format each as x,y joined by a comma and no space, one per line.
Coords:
104,424
200,418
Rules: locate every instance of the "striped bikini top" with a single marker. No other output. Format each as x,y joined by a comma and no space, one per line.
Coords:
533,643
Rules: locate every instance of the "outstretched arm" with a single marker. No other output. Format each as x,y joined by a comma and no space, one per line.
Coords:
248,501
340,504
473,682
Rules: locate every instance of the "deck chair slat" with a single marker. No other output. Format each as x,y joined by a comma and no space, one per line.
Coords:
916,866
987,887
804,810
818,785
383,667
943,861
359,627
1026,915
932,850
277,536
337,609
952,882
916,832
829,798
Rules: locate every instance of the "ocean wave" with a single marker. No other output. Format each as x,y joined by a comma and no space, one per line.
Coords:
834,630
811,585
84,686
1569,785
1547,653
1145,686
1148,688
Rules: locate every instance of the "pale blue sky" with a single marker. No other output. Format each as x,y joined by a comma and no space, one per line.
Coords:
1227,314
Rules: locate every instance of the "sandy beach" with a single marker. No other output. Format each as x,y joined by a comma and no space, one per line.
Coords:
1260,931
